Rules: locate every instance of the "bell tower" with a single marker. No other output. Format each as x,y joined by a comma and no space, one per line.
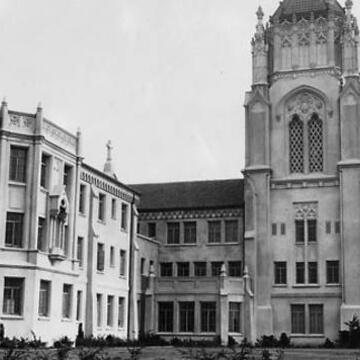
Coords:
302,174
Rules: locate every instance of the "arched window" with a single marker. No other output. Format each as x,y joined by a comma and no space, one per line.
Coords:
315,138
296,137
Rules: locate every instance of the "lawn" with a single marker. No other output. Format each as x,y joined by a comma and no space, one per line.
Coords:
172,353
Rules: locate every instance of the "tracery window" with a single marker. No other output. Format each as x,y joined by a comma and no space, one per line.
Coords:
315,134
296,136
306,145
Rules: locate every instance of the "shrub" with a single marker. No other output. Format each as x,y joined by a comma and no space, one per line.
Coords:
267,341
284,341
328,344
63,342
21,343
151,339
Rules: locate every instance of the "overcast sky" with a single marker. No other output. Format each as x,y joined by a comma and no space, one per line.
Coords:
163,79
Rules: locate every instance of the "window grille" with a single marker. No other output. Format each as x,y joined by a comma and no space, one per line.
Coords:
186,316
315,134
208,316
166,317
296,145
298,319
316,315
235,317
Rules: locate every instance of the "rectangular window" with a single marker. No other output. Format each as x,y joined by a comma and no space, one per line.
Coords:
280,273
121,312
13,296
122,263
300,273
166,269
235,269
151,230
82,199
78,305
234,317
231,231
142,266
173,233
283,229
183,269
80,251
216,268
200,269
18,160
313,272
98,310
273,229
113,208
112,256
214,228
41,239
300,231
102,204
14,230
190,232
337,227
186,316
100,258
332,272
316,319
66,306
312,233
298,319
166,317
44,176
124,216
328,227
208,316
44,298
110,311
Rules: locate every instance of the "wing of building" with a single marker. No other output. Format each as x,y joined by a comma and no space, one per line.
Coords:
67,232
192,283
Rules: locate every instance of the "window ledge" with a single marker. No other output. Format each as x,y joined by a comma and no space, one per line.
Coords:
302,286
124,230
8,248
309,336
102,222
44,318
12,317
17,183
82,214
66,320
280,285
333,285
215,244
100,272
123,277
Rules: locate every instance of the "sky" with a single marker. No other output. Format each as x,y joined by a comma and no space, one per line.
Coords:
164,80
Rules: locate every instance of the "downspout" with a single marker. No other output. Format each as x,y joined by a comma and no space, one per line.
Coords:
131,269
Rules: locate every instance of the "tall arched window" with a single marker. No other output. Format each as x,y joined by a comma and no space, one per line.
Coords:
296,137
315,138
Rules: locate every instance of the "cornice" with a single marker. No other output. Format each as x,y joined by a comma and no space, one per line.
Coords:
191,214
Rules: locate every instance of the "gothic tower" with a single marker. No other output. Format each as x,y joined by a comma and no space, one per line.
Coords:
302,174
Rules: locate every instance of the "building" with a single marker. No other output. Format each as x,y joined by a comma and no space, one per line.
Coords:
67,232
302,170
275,252
193,283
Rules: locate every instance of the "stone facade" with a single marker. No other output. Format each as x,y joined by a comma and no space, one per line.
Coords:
66,235
301,175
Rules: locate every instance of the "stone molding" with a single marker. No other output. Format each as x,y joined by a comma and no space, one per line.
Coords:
190,214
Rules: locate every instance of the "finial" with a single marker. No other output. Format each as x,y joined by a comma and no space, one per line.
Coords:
260,13
78,131
39,105
349,4
4,101
109,148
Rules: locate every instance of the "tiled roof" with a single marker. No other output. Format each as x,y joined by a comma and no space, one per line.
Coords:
191,195
302,7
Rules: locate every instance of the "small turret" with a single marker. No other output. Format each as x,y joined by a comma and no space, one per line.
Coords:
259,51
4,113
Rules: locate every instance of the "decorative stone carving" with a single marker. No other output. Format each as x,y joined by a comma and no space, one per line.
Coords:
21,121
305,211
304,105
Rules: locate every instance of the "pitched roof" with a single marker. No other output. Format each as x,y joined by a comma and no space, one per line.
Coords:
191,195
303,8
